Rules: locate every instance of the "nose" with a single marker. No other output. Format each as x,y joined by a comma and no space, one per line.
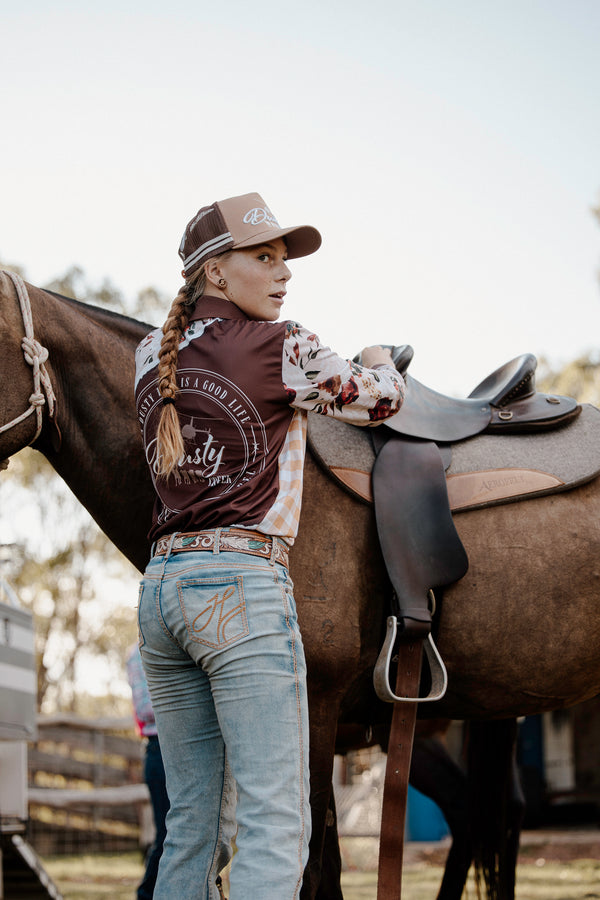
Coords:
284,273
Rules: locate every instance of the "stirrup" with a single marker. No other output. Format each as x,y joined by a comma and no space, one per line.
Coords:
381,674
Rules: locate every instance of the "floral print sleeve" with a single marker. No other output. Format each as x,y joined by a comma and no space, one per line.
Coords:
318,380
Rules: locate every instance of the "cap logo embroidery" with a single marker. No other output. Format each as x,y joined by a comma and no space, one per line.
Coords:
260,215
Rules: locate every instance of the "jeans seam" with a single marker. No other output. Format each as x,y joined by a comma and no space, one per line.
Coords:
215,860
160,617
141,638
300,739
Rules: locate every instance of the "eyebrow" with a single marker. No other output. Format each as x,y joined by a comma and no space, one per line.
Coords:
269,245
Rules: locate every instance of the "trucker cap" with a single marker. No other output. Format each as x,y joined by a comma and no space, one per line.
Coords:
239,222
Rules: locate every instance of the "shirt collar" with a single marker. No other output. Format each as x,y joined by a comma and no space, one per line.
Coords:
209,307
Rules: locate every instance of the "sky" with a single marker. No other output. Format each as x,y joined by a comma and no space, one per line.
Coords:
447,150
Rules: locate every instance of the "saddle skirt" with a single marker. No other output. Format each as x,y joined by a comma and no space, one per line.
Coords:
483,470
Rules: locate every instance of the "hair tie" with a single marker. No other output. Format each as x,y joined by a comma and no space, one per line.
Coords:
166,400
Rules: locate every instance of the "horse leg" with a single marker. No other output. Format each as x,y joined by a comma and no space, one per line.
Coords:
516,814
496,805
437,775
331,865
323,712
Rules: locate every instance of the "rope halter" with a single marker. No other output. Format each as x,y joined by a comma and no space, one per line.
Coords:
36,356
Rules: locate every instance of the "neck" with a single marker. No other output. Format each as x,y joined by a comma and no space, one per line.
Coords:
210,305
213,291
101,458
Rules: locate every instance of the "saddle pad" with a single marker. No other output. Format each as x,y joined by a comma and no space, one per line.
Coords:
484,470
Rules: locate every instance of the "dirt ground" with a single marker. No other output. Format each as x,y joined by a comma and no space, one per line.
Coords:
550,844
553,865
557,845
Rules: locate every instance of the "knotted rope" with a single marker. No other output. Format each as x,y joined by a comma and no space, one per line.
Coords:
36,356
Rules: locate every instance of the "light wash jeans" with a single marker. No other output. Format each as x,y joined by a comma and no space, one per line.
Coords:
225,666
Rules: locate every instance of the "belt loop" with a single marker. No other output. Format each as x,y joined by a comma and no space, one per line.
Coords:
168,552
272,559
217,547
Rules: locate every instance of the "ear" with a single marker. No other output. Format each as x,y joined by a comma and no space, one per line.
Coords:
212,268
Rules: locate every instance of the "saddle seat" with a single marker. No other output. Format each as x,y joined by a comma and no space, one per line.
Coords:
514,379
505,401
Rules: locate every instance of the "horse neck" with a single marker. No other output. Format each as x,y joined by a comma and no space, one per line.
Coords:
91,364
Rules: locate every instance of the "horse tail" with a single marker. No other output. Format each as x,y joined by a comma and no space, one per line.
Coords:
496,805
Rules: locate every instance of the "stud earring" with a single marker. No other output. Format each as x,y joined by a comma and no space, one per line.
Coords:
222,283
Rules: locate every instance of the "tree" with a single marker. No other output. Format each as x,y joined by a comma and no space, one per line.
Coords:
148,304
579,378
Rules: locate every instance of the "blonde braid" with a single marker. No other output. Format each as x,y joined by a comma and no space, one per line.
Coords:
169,440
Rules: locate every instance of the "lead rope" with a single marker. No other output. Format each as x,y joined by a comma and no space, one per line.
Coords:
36,356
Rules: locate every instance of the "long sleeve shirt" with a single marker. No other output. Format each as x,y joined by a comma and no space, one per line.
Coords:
244,391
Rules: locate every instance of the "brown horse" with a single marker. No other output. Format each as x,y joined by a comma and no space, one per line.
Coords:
519,633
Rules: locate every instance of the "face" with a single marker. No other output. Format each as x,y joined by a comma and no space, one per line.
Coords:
256,279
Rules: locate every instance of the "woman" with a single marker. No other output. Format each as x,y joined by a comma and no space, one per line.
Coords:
222,395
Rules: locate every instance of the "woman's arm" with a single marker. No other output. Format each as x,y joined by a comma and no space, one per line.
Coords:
318,380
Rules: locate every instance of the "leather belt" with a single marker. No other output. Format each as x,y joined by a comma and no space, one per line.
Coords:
236,540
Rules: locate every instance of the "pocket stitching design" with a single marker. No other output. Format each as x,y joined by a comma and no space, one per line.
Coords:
223,620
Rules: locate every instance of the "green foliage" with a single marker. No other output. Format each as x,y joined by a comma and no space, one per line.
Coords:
73,284
13,267
579,379
149,304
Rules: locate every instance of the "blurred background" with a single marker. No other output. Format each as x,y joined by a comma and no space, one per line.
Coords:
449,153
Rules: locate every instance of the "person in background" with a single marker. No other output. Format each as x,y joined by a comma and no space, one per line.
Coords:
154,772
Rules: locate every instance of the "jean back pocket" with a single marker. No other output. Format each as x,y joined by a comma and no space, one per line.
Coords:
214,610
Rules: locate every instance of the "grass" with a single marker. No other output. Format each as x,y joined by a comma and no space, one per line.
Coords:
116,877
96,877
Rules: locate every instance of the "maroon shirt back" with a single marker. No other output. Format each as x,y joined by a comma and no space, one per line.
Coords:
234,413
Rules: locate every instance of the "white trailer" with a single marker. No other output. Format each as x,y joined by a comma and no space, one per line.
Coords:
22,874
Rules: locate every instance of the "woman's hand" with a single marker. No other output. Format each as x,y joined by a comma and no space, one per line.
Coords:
376,355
